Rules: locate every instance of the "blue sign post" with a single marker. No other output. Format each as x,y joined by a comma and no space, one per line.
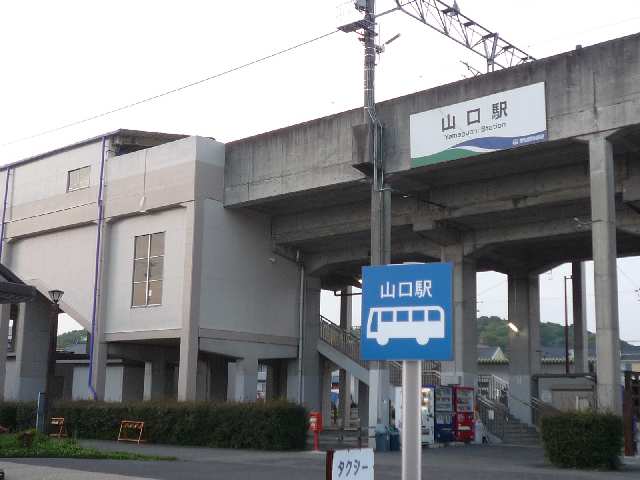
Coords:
407,312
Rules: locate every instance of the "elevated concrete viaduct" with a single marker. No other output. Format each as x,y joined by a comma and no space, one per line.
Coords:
521,211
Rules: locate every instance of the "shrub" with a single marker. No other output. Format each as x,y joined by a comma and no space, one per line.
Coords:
583,439
17,416
277,425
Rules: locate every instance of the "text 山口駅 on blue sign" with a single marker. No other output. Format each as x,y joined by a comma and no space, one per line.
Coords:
406,312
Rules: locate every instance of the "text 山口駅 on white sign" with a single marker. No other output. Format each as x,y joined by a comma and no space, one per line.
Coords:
356,464
487,124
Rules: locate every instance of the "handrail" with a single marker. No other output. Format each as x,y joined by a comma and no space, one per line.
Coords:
348,343
342,340
539,409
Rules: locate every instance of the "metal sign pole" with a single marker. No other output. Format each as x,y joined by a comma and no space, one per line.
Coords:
411,420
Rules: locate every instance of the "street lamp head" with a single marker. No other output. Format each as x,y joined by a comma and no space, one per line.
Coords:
56,295
513,327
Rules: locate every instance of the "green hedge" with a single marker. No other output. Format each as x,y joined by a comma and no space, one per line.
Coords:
277,425
17,416
583,439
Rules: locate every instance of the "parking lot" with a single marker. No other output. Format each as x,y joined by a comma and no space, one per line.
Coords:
472,462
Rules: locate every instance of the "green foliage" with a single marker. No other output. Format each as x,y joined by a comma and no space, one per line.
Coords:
17,415
71,338
583,439
277,425
38,445
493,331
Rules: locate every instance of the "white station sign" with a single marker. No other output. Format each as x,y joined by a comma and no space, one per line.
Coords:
487,124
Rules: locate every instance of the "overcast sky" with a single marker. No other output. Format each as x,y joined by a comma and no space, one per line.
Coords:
68,60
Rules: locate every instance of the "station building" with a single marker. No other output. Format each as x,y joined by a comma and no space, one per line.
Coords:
195,264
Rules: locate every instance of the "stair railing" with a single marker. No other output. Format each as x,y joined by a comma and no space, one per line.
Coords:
540,409
494,415
494,389
340,339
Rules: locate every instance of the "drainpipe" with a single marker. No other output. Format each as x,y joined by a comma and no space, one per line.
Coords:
96,276
300,326
4,210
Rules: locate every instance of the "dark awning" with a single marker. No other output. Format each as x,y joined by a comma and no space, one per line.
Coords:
14,290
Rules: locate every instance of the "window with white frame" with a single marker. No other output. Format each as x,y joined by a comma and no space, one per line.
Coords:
148,263
78,178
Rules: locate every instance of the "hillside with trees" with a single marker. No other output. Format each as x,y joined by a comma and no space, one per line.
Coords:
493,331
71,338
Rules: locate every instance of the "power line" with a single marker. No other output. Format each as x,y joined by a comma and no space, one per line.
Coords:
169,92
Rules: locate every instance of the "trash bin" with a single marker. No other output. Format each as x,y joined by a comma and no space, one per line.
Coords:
394,439
382,438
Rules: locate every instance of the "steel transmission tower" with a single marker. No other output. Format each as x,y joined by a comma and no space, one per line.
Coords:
448,20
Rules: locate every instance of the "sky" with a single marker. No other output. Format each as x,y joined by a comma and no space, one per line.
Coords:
69,60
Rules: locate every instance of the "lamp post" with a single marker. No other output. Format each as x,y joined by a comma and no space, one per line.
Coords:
43,410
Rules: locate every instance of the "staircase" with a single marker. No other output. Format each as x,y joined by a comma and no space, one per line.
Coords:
343,349
517,433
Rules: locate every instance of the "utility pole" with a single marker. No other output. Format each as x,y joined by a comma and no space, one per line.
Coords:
380,212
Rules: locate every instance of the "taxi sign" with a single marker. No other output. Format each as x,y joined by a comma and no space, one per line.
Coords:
406,312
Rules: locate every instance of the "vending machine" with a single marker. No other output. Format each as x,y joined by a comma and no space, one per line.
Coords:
427,416
443,414
463,417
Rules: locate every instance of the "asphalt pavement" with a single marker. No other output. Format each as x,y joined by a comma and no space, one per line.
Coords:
479,462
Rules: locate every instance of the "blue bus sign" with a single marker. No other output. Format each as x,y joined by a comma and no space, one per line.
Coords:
406,312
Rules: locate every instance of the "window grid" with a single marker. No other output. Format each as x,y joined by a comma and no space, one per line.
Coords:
147,282
78,178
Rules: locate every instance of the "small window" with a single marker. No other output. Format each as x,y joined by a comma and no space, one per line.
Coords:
148,269
78,178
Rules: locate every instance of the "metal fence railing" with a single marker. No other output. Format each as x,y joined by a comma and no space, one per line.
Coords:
340,339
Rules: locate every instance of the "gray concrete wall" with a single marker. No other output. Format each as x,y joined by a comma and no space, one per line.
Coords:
11,380
245,286
113,384
41,213
119,315
587,90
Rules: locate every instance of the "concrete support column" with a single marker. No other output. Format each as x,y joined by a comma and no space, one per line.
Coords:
524,345
465,336
326,393
188,366
311,374
345,377
154,380
245,379
270,388
603,217
4,335
363,406
32,344
579,300
219,379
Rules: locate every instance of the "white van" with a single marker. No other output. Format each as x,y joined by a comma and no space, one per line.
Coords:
415,324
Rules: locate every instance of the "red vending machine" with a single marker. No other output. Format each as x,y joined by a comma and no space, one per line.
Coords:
463,417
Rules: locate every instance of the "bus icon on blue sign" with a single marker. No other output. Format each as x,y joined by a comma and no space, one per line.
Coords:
406,312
